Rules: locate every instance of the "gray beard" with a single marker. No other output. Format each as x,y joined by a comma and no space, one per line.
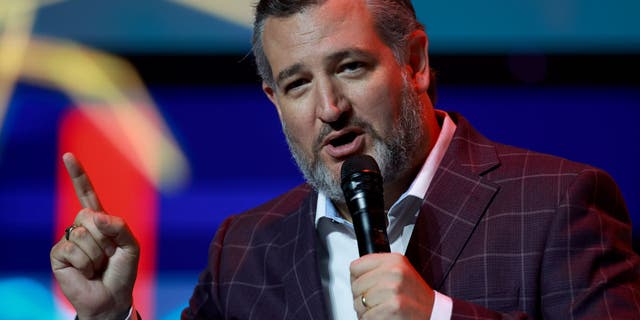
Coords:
393,153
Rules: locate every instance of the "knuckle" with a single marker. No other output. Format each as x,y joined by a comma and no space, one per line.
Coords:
393,306
119,223
79,233
55,250
79,260
84,214
68,248
104,242
97,258
396,273
393,289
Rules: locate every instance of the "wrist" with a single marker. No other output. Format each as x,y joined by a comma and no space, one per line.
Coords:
109,315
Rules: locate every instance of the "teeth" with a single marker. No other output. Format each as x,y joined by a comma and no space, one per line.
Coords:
343,139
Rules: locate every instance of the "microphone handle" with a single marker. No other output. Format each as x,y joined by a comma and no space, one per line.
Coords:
371,231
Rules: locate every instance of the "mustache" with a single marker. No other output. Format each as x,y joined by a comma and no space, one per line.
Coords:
354,122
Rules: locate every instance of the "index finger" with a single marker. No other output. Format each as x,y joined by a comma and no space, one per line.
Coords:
373,261
81,183
365,264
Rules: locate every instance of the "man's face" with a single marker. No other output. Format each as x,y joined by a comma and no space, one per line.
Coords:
339,91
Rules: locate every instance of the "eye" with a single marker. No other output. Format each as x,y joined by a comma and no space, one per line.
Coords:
352,67
294,84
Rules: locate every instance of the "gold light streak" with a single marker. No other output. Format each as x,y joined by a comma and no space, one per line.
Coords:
95,79
16,21
96,82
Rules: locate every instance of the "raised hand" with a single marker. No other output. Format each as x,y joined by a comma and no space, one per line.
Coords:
97,265
391,287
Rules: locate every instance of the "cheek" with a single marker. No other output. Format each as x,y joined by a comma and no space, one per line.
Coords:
380,106
299,125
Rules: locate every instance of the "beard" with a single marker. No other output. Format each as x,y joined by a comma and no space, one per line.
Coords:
394,153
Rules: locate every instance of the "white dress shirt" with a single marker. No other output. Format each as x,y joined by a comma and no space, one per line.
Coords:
338,240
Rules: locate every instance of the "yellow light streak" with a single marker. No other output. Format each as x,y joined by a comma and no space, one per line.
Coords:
16,21
92,79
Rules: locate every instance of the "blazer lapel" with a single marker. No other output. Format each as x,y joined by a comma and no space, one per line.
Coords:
301,277
455,201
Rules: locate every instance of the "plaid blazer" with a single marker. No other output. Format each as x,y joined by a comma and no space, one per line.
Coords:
507,233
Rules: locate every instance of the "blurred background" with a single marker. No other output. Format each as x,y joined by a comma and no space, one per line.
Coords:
160,101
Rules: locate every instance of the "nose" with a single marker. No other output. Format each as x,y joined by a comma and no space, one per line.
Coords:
331,103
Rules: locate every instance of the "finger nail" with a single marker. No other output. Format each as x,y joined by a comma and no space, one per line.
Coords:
109,250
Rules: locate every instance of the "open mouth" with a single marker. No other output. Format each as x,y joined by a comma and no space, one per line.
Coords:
345,144
343,139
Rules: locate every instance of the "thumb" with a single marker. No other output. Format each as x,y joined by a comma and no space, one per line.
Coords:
116,229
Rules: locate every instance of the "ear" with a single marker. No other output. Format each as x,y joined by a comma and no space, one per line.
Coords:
271,94
417,60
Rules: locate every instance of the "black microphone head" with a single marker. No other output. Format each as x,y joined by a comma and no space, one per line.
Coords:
360,174
358,163
361,184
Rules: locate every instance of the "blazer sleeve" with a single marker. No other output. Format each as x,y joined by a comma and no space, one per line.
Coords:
205,300
589,269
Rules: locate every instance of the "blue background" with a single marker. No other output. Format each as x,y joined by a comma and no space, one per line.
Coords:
232,138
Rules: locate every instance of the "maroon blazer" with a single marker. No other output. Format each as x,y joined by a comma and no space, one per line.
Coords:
506,232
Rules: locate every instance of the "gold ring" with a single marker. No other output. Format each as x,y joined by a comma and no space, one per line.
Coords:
67,231
364,301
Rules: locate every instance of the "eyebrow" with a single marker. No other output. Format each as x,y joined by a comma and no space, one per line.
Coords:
336,56
288,72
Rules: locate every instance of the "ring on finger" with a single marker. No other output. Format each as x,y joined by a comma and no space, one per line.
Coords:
363,299
67,231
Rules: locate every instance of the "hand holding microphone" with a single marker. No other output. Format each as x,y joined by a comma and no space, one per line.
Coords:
384,286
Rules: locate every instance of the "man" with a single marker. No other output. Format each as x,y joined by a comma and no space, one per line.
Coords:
477,229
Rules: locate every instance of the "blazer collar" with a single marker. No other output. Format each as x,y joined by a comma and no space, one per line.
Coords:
457,198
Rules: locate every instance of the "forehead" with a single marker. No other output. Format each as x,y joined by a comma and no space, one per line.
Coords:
320,30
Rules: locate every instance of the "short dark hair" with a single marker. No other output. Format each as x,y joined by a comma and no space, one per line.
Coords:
395,20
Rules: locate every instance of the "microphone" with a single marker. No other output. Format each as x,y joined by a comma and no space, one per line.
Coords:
361,184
